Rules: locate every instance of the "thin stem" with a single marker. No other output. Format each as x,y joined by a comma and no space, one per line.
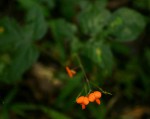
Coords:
82,68
105,92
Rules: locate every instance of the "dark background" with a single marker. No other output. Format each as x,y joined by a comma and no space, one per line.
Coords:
39,38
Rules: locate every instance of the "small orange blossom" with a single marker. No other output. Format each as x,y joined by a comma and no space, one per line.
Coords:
95,97
70,72
83,101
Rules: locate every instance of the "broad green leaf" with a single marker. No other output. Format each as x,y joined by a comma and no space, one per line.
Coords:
76,45
37,23
126,24
62,30
92,20
100,54
100,4
35,17
16,43
22,59
12,35
38,5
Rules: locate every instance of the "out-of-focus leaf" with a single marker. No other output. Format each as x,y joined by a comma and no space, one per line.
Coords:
70,8
54,114
93,19
23,58
100,54
76,45
35,17
22,53
27,4
62,30
126,24
12,35
37,23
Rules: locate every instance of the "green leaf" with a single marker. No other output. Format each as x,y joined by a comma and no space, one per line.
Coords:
126,24
99,4
76,45
93,19
16,43
62,30
35,17
23,58
37,23
12,35
100,54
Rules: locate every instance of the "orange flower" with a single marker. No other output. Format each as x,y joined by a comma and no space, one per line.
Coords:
70,72
83,101
95,97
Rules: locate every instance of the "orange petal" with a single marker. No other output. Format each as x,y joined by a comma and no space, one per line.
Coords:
97,94
91,97
98,101
83,106
69,72
80,99
85,101
73,72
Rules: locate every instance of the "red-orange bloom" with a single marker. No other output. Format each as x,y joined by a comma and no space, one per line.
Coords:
95,97
70,72
83,101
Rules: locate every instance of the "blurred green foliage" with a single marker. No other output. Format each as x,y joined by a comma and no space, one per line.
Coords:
103,38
